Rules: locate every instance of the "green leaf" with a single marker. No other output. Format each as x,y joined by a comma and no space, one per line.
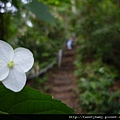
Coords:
30,101
41,11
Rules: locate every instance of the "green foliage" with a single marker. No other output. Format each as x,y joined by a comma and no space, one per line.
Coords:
30,101
57,3
39,83
98,56
95,85
43,39
99,26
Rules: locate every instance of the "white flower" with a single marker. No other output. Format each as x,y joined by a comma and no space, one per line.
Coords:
13,66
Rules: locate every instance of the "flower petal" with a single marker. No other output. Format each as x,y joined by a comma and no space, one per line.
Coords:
4,70
23,59
6,51
15,81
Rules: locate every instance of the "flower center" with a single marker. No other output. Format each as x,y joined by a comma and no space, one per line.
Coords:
11,64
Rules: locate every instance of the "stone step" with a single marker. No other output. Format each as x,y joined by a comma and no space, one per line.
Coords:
63,96
68,65
62,82
62,77
62,89
67,68
66,55
69,59
66,51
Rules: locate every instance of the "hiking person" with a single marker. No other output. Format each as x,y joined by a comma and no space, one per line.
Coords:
70,42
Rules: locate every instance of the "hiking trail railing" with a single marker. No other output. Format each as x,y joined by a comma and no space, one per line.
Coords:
56,60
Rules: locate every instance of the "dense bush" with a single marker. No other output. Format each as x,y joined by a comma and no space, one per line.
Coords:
95,84
100,29
98,56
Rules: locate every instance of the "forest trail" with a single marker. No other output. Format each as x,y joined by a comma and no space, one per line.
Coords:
62,81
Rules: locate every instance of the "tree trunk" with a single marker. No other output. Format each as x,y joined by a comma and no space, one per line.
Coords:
2,26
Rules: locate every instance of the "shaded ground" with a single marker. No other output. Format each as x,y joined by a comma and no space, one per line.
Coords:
62,81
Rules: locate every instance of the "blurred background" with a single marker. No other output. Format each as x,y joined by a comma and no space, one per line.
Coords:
43,26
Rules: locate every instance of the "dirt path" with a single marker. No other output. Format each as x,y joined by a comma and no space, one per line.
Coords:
62,81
